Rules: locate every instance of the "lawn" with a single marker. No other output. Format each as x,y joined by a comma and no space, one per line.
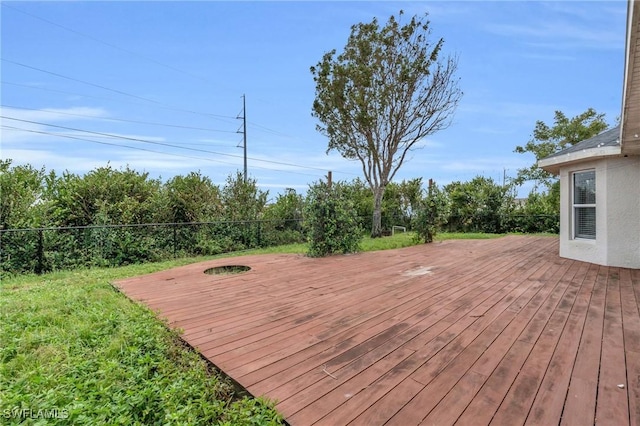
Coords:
75,351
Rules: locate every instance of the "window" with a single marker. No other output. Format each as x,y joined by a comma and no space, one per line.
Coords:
584,204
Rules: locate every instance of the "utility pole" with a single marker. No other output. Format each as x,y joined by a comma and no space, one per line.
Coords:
244,133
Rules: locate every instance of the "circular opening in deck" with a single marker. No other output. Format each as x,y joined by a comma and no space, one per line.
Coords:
227,270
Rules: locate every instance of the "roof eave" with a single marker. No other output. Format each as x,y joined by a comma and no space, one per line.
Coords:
553,164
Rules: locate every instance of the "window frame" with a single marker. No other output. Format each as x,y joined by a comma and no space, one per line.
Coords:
575,206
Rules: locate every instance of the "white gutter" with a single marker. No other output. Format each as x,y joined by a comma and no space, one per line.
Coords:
552,164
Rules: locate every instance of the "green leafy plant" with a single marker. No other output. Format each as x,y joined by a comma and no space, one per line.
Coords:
431,215
477,205
330,220
72,343
540,212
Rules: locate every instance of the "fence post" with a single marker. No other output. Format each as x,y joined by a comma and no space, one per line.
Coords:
40,253
175,239
259,233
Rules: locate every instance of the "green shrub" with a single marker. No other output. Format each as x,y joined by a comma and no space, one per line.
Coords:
331,220
431,215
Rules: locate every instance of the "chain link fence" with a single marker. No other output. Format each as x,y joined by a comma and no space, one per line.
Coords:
39,250
46,249
504,223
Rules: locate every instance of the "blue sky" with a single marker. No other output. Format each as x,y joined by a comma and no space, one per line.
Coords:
184,66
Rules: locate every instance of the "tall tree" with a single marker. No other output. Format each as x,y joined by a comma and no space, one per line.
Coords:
388,90
548,140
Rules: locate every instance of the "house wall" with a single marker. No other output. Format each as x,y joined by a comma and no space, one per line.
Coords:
623,219
617,240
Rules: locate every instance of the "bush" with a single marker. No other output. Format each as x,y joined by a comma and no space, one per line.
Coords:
477,205
539,213
331,220
431,215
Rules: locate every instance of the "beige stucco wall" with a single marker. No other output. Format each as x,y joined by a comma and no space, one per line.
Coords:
623,219
617,240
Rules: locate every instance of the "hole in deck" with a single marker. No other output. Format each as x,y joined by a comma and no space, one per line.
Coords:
227,270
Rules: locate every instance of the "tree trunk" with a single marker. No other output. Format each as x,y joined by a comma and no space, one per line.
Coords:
376,225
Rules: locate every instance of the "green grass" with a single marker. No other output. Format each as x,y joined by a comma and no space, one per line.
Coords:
408,239
70,342
399,240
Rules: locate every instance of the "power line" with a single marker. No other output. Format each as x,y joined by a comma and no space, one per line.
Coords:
95,39
216,116
113,144
71,93
100,98
104,42
81,94
120,92
116,136
168,145
131,53
267,129
258,127
119,137
119,119
144,149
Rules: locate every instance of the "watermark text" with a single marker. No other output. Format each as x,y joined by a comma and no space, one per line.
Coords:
29,413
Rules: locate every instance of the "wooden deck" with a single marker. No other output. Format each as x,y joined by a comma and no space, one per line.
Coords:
477,332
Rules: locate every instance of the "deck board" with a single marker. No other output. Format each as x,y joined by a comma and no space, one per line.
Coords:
466,332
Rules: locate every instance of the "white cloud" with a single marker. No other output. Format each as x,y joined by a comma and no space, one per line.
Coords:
483,164
586,14
508,110
51,160
27,122
309,163
21,134
560,34
167,162
123,137
492,130
427,143
53,114
283,186
549,57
